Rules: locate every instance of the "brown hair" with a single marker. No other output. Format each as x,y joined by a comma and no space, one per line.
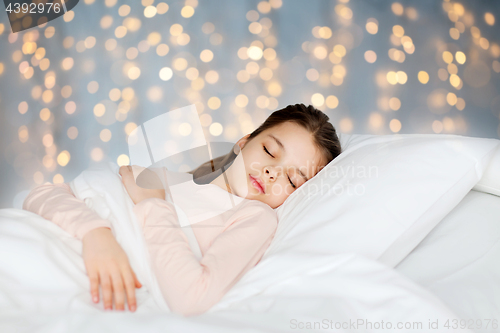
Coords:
312,119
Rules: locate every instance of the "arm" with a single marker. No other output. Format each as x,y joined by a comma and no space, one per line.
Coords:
57,203
191,286
105,261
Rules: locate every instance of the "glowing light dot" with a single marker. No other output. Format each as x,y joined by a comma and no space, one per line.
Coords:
150,11
68,17
162,8
392,77
212,76
214,103
215,129
130,127
99,110
124,10
455,80
332,102
255,52
489,18
241,101
437,126
166,73
394,103
454,33
395,125
346,125
370,56
58,179
187,11
72,132
90,42
274,89
447,57
162,50
372,26
134,73
22,107
96,154
47,96
63,158
38,178
423,77
123,160
398,30
115,94
110,44
70,107
48,140
154,38
23,134
105,135
106,21
206,55
401,77
312,74
460,104
264,7
339,50
49,32
110,3
185,129
67,63
460,57
320,52
180,64
317,99
451,98
176,29
397,9
120,31
92,87
205,119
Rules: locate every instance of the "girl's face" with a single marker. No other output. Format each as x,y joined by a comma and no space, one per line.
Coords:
273,164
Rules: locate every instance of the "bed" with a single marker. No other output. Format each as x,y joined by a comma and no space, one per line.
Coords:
331,266
459,261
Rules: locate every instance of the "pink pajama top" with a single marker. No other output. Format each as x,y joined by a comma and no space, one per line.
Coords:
230,243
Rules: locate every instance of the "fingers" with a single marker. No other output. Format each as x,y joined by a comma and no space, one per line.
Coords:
94,286
128,278
106,291
118,291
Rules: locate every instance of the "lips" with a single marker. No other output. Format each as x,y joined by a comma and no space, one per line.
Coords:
257,183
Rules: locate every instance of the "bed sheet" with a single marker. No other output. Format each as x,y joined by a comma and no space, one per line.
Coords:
459,261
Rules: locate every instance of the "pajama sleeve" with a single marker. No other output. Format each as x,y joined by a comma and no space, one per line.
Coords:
57,203
190,286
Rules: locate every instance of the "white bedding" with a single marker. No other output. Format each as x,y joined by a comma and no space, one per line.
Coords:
459,261
44,288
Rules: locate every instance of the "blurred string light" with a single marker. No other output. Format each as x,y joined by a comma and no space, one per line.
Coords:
199,77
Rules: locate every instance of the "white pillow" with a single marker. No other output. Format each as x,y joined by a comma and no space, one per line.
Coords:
490,182
382,195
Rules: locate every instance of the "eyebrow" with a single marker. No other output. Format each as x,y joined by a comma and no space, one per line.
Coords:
283,148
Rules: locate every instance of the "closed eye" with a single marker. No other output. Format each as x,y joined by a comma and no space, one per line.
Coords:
291,183
267,151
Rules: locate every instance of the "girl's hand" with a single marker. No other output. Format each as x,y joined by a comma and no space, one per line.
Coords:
107,264
136,192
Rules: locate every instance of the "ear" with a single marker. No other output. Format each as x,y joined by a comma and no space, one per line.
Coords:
243,141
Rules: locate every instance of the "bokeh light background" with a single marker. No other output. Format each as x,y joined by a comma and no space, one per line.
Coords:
71,91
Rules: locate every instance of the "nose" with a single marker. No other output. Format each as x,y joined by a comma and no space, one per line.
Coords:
270,173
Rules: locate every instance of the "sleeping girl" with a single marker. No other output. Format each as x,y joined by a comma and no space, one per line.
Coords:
284,152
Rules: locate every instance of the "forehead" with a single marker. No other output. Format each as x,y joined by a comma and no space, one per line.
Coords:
300,150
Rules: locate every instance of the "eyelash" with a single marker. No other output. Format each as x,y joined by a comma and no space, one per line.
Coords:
267,151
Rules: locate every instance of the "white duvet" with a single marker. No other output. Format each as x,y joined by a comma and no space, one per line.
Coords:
44,287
